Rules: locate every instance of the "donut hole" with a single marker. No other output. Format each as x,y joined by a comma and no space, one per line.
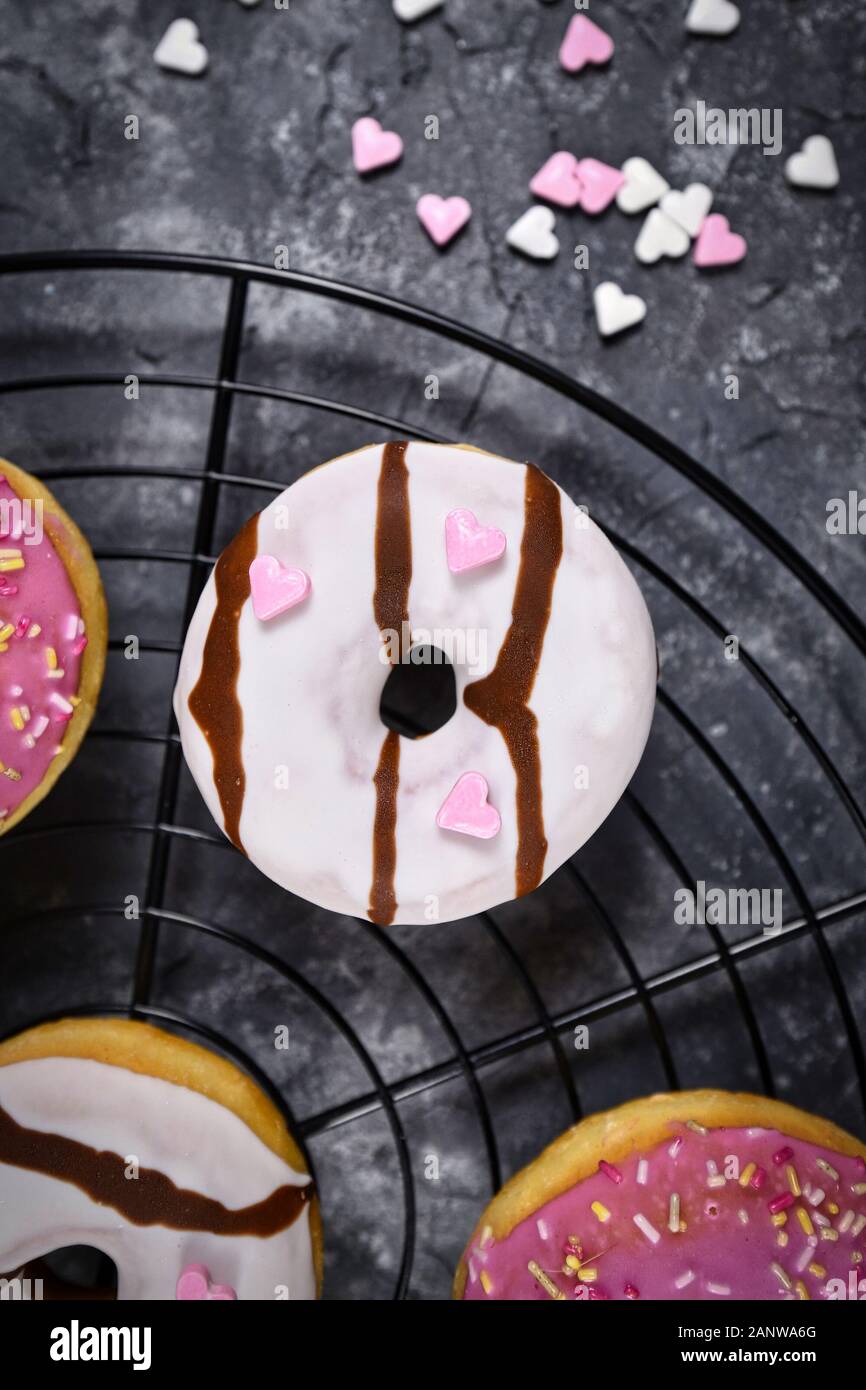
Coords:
420,694
75,1271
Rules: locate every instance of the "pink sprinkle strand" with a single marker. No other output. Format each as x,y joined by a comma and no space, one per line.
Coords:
21,627
758,1178
78,646
631,1292
783,1156
609,1171
777,1204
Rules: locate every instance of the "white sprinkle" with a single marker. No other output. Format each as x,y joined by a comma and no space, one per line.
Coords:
803,1258
542,1228
29,741
721,1289
646,1228
858,1226
743,1215
717,1180
674,1213
827,1233
820,1219
712,1167
59,702
683,1280
816,1196
40,724
859,1189
698,1129
783,1278
827,1168
675,1147
847,1222
70,631
473,1271
642,1172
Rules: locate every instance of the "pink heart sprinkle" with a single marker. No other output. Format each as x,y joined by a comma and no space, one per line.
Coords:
442,218
467,810
599,184
468,544
275,588
557,180
717,244
195,1284
584,43
373,147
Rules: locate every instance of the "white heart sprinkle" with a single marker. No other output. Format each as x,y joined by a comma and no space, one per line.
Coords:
533,234
615,311
410,10
642,188
660,236
717,17
179,49
815,166
689,209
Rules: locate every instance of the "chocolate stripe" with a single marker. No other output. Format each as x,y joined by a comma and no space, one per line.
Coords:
501,698
393,553
151,1199
214,702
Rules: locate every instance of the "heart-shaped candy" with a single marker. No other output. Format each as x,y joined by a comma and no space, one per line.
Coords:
442,218
815,166
717,244
373,147
274,588
410,10
688,209
195,1284
468,544
467,810
533,234
660,236
642,188
615,311
179,49
599,184
557,181
716,17
584,43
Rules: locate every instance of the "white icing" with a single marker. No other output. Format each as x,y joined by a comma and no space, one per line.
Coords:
310,684
193,1140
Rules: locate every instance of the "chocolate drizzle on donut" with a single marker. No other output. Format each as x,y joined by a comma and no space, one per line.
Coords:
151,1198
393,552
214,703
501,698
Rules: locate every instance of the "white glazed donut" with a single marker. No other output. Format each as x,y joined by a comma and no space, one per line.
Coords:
278,699
191,1189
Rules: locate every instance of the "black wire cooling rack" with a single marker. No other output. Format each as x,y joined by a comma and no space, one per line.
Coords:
443,1067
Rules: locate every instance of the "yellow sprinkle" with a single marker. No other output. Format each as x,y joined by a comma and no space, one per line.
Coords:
12,774
587,1276
818,1270
782,1239
572,1262
746,1175
10,553
75,700
802,1292
17,719
601,1211
827,1233
34,630
547,1284
6,566
833,1208
6,632
486,1282
805,1221
793,1180
51,658
780,1218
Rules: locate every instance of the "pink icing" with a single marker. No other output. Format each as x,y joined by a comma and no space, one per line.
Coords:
39,615
730,1248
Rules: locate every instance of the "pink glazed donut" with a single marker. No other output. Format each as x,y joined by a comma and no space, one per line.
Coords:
355,567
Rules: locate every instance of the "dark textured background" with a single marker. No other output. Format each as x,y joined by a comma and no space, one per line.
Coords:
256,154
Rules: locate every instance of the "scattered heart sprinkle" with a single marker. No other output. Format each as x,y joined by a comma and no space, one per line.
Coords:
274,588
410,10
533,233
660,236
717,244
615,311
714,17
814,166
557,180
467,810
373,147
642,188
442,218
468,544
584,43
690,208
599,184
181,50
